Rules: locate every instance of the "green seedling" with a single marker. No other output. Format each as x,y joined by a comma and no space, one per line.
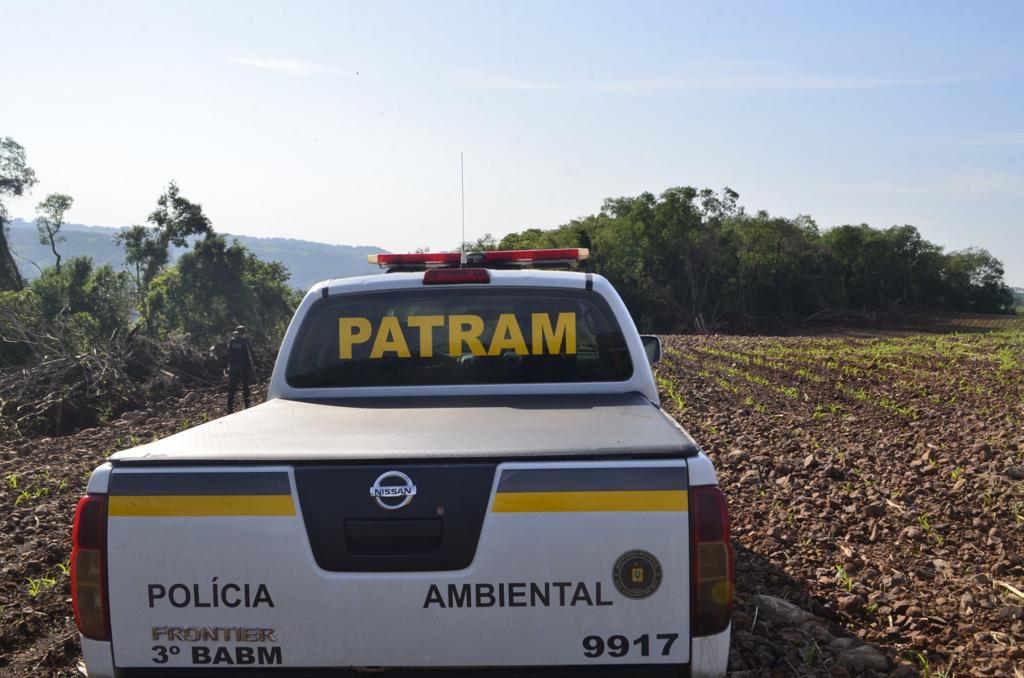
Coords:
669,387
65,567
844,578
871,608
956,473
37,585
811,653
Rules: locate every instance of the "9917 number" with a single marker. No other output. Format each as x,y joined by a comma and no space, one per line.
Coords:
620,646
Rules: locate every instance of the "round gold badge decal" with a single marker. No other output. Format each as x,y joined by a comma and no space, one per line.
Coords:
637,574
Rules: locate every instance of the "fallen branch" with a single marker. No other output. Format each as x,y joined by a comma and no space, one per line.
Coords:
1009,587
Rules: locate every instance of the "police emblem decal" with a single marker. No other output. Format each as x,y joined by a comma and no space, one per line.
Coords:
637,574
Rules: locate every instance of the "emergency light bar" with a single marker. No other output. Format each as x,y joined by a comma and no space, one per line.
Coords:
497,258
417,259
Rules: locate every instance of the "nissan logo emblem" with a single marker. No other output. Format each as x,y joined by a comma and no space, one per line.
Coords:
393,490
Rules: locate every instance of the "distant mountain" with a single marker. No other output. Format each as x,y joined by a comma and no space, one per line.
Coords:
309,262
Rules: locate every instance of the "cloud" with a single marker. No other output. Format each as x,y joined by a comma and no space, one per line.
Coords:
723,76
288,66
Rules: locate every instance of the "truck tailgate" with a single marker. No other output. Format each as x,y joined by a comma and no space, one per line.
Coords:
433,564
421,428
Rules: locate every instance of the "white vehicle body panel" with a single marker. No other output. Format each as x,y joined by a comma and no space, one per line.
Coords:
322,618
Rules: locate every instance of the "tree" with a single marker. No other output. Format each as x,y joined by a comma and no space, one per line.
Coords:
53,208
217,286
975,281
175,219
16,177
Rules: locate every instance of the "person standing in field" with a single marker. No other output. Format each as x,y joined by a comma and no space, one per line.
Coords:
240,366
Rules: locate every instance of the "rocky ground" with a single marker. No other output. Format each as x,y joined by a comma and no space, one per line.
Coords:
876,489
877,484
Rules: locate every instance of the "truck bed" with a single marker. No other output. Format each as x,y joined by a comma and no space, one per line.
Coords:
621,425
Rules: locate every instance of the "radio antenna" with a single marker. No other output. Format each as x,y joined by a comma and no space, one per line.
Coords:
462,183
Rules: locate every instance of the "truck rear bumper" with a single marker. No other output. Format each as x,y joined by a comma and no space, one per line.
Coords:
634,671
710,657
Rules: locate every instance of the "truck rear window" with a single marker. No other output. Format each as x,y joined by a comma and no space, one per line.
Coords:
457,336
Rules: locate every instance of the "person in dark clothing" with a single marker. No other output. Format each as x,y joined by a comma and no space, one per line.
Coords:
240,365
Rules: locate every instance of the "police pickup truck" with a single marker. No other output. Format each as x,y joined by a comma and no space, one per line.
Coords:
461,469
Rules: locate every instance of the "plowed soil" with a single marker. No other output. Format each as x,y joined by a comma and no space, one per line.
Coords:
876,483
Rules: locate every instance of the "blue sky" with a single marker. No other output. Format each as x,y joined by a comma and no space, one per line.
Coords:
343,122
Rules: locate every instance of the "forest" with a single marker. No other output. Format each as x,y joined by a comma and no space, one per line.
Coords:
83,342
695,260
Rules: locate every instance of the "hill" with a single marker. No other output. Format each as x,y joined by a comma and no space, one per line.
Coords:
309,262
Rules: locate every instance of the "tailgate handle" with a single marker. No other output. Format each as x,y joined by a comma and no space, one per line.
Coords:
393,529
393,538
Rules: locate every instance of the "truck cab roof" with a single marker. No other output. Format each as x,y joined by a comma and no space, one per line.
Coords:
640,380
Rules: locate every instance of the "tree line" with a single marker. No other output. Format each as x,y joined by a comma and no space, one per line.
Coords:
684,260
75,306
695,260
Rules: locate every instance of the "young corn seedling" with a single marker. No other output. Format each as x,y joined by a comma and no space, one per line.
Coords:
37,585
844,578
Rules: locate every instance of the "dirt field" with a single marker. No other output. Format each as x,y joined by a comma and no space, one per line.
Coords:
876,483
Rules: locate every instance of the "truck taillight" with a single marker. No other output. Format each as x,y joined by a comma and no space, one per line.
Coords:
711,568
89,567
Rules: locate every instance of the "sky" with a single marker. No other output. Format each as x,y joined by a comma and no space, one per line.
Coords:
343,122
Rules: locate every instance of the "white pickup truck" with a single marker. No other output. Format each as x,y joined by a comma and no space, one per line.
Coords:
461,469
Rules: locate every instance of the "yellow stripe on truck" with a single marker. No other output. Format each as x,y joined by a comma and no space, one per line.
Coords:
623,500
202,505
